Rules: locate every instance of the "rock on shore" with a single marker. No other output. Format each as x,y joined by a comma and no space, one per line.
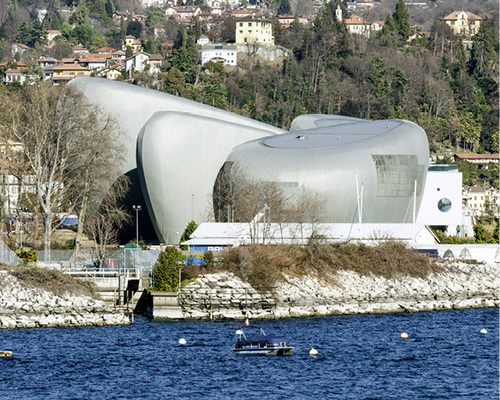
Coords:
23,307
457,286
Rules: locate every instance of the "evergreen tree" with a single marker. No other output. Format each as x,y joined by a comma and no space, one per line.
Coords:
401,19
186,235
56,21
484,52
166,269
173,81
134,28
155,17
83,34
129,52
79,16
376,77
284,8
388,35
109,8
24,33
38,32
30,35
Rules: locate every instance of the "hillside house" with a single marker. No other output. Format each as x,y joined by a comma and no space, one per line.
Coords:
254,30
482,160
133,42
219,53
51,35
79,50
186,13
94,61
66,72
359,25
18,48
14,75
203,40
142,61
481,199
463,23
112,73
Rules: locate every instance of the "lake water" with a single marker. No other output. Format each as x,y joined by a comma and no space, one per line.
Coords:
360,357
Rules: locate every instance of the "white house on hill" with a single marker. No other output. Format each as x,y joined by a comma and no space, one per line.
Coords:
225,54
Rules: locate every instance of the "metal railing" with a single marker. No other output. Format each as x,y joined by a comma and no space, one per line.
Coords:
128,261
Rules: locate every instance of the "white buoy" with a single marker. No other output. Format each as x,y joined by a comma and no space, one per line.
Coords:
404,335
313,352
182,341
483,331
239,332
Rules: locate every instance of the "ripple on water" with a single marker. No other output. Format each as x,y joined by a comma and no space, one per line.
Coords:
360,357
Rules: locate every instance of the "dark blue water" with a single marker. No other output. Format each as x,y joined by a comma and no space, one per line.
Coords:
360,357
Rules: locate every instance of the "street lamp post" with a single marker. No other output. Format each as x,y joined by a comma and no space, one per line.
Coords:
21,222
192,206
136,208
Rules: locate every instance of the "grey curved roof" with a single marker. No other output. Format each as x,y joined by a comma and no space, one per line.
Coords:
179,157
179,146
133,105
379,161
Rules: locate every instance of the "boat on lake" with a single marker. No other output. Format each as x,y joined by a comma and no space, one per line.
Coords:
258,343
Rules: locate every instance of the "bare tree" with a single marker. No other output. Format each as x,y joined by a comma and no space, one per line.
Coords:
106,218
238,198
93,166
30,119
68,147
308,208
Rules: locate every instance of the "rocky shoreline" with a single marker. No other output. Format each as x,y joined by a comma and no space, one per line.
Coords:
225,296
457,286
28,307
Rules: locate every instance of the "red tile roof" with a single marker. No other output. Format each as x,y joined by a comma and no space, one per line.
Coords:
454,16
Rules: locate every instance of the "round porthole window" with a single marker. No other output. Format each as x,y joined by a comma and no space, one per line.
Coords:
444,205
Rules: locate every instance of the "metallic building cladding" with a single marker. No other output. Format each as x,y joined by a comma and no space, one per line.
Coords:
178,147
132,106
179,157
373,165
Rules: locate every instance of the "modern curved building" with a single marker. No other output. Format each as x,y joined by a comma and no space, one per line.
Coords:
370,171
176,153
367,171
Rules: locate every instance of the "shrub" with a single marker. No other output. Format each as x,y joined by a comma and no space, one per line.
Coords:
54,281
263,266
27,254
166,270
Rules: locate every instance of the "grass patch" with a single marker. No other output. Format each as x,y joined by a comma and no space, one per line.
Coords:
54,281
265,265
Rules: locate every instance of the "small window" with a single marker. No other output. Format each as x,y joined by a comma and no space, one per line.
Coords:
241,23
444,205
249,24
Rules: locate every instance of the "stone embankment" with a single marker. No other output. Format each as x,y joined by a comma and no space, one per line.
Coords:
27,307
457,286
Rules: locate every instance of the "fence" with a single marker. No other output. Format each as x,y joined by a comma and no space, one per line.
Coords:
129,261
7,256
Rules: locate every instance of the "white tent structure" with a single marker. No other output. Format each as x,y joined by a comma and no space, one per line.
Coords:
219,236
